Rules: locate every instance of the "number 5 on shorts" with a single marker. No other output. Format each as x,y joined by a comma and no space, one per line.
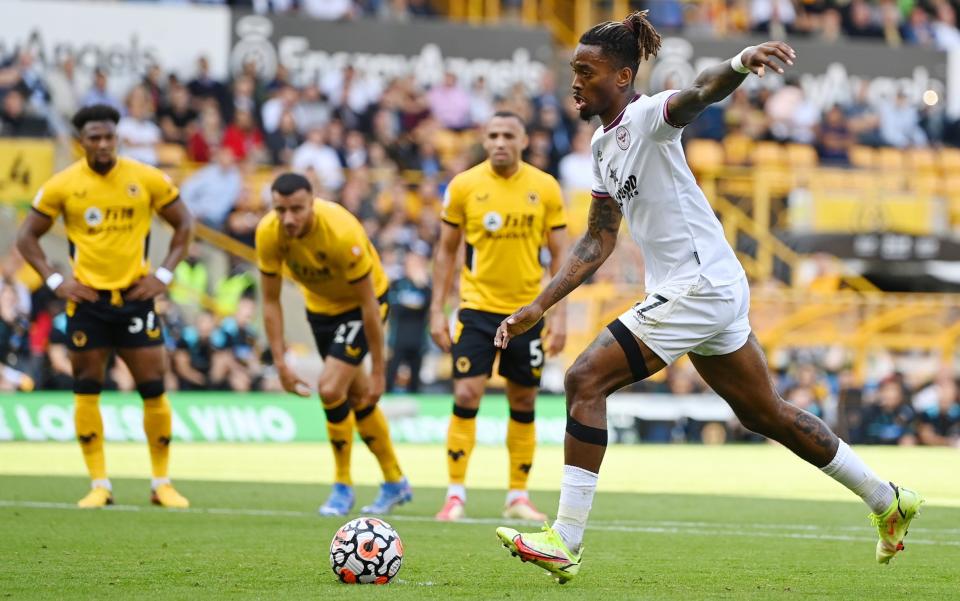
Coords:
536,353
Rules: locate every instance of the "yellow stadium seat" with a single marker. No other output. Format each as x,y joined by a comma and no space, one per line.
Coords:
949,161
737,148
921,160
171,155
769,154
891,158
704,155
863,156
802,155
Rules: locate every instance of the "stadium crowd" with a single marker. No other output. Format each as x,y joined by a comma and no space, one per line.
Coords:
386,153
927,23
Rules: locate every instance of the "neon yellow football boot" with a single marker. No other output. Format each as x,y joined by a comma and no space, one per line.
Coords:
166,495
892,524
96,498
544,549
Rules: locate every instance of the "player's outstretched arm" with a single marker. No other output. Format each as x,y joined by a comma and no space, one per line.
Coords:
180,219
443,269
271,285
28,243
588,255
373,330
717,82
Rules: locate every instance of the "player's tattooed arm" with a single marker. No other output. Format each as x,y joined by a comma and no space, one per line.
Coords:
589,253
716,83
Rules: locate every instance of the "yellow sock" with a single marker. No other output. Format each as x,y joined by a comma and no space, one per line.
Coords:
340,423
461,437
157,425
375,432
89,426
521,442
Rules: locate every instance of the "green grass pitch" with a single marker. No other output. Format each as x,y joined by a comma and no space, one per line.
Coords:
675,539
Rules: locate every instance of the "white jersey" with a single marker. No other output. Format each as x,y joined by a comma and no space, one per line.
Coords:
638,160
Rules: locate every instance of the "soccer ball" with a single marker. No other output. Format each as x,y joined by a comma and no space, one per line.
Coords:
366,551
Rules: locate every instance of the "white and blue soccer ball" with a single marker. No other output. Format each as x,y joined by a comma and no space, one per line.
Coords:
366,551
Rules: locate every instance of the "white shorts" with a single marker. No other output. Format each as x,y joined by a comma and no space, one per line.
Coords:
698,317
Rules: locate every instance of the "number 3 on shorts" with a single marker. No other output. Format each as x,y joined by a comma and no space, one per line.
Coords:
536,353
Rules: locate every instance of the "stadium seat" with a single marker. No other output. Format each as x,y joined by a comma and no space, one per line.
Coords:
171,155
949,161
737,148
863,156
802,155
921,160
769,154
890,159
704,156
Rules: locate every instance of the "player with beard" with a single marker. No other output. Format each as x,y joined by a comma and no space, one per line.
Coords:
697,298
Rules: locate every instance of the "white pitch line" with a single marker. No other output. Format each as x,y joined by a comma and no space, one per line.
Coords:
666,527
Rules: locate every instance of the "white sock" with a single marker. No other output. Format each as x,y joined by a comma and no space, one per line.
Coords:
105,483
514,494
457,490
576,498
849,470
156,482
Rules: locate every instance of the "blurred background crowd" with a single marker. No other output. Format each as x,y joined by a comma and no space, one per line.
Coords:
387,151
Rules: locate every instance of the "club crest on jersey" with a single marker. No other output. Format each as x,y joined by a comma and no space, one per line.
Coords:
623,138
492,221
133,190
93,216
532,197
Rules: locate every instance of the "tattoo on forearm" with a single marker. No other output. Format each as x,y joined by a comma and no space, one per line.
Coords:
816,429
588,254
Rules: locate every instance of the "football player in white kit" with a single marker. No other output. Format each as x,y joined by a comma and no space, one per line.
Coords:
698,298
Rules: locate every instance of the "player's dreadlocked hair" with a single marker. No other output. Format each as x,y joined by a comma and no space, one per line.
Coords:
630,41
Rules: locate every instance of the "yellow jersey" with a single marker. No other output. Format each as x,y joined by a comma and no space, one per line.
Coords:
107,218
332,256
505,223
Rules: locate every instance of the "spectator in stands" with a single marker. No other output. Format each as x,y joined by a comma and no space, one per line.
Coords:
805,398
99,92
191,280
199,361
243,98
204,87
284,100
154,86
14,340
211,192
576,169
945,33
243,137
283,141
409,306
889,419
207,137
772,16
450,103
940,424
243,219
792,115
862,118
323,160
312,108
60,374
860,21
65,90
900,123
237,338
919,30
481,101
834,138
137,133
666,15
239,283
177,117
16,122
